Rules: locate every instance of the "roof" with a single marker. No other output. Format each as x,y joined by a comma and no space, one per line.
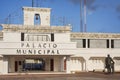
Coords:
36,28
95,35
36,9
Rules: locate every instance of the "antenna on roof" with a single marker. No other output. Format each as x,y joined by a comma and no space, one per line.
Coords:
32,3
85,25
81,22
37,3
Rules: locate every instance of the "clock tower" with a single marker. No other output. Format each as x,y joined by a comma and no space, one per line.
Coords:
42,15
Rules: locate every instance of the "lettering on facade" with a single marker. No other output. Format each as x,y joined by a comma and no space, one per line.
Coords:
38,48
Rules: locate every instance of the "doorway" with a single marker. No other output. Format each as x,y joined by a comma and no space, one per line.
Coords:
16,66
34,64
51,64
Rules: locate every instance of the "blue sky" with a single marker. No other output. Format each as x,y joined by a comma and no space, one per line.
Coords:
102,15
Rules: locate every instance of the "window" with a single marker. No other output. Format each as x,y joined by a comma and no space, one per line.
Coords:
79,42
52,37
107,43
37,20
112,43
84,43
37,37
22,36
97,43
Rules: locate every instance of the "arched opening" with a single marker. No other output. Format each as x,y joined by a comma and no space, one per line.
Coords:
34,64
37,20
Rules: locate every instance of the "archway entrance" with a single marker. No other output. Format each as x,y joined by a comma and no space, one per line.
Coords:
34,64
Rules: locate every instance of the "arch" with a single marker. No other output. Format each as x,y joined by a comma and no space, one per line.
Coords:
37,20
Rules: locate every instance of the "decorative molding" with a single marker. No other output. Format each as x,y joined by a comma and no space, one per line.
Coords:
95,35
58,29
36,9
34,29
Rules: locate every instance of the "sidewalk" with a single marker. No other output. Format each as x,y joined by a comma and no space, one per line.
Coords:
62,76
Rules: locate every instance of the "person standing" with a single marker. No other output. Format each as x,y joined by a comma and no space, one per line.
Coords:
112,66
109,64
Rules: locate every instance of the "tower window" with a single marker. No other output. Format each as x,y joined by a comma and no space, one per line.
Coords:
37,20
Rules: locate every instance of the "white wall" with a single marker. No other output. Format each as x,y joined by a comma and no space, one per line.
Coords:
62,37
11,36
76,65
116,43
117,65
97,43
79,42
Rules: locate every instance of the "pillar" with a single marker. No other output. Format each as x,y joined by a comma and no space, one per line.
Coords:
68,64
47,64
5,65
11,64
62,64
57,64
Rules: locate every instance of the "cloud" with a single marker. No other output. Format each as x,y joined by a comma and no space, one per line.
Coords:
75,1
118,8
89,3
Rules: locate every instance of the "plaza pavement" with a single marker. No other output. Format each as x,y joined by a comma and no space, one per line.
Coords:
61,76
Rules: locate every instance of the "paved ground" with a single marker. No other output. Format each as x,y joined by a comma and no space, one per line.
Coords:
78,76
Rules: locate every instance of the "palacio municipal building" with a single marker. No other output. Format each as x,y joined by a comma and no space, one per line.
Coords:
45,48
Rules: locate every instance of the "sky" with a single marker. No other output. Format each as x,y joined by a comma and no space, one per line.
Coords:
103,16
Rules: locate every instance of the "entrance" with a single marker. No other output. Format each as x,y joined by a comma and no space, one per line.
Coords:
34,64
16,66
37,64
51,64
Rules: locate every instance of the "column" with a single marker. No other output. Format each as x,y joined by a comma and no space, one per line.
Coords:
57,64
62,64
86,43
47,64
5,65
11,64
110,43
86,64
68,64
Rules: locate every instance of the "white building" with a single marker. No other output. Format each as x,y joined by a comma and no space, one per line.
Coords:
38,46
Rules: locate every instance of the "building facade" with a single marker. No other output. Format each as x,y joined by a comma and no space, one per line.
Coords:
38,46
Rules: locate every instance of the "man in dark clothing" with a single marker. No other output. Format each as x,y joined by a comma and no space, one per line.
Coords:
112,67
109,64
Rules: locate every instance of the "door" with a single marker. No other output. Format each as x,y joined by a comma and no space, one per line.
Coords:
52,65
16,66
64,64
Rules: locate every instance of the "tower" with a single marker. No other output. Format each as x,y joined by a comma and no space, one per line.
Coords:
32,13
